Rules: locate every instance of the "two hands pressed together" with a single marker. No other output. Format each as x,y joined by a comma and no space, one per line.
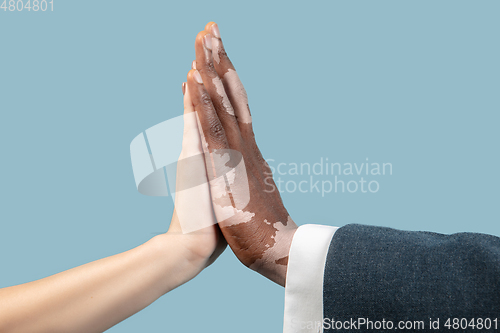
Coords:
95,296
260,232
225,195
256,224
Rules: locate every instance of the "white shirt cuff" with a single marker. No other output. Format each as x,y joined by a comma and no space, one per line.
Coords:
304,279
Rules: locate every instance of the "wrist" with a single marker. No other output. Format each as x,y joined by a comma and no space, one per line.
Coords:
177,261
263,249
274,265
200,247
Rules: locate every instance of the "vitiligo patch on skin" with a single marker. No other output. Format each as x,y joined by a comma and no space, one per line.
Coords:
196,190
219,87
238,96
274,255
223,184
229,186
228,215
216,47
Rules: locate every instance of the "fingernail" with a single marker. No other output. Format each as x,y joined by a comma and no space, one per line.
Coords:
207,40
215,30
193,65
183,88
197,77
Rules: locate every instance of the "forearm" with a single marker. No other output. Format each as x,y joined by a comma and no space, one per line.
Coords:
100,294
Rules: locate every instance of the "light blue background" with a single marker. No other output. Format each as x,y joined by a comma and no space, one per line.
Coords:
412,83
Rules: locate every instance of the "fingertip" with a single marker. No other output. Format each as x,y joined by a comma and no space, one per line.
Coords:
200,36
188,104
213,29
190,75
203,40
194,76
190,78
197,77
209,26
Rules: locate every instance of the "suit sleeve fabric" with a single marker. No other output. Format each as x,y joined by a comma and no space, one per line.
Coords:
358,277
381,273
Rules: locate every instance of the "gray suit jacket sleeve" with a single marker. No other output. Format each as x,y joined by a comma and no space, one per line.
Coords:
385,274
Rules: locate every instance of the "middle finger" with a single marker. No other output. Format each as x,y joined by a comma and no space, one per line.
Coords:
215,88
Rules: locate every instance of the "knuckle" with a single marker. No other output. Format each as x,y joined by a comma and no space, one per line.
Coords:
206,101
208,69
216,130
222,53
